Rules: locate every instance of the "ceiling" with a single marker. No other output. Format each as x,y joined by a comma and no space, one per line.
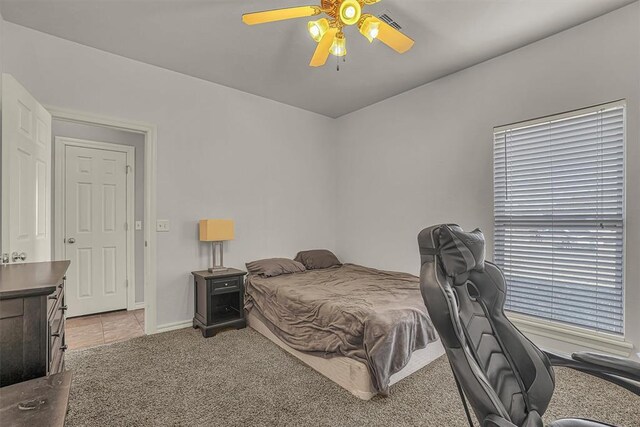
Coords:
207,39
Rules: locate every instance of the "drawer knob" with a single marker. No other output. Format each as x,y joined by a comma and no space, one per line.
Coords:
63,308
29,405
64,347
55,334
53,296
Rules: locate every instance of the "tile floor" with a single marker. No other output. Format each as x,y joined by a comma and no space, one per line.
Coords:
105,328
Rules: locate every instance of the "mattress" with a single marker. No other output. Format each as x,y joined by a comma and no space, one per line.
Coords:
348,373
374,317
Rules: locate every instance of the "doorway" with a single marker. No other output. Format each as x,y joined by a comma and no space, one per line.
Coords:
145,289
95,197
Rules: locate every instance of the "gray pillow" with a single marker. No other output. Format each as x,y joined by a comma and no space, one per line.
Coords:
317,258
460,251
272,267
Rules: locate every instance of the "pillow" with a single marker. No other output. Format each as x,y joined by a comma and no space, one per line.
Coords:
272,267
317,258
461,251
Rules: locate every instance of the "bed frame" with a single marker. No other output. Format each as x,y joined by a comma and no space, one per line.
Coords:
348,373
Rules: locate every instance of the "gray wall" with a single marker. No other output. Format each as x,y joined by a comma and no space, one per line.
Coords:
136,140
221,153
425,157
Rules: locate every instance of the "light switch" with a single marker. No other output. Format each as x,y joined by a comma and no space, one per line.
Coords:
162,225
138,225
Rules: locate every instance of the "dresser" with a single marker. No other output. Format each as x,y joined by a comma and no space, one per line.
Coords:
32,316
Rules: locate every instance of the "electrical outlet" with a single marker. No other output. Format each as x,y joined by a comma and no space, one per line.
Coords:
138,225
162,225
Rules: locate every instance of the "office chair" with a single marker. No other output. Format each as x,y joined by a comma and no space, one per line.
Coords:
507,380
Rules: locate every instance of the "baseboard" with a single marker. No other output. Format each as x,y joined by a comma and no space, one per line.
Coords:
174,325
138,306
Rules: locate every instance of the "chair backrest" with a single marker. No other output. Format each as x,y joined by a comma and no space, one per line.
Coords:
501,372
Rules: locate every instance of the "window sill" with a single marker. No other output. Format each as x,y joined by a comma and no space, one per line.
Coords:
567,334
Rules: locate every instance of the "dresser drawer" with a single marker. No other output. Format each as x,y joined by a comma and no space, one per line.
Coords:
56,328
11,308
55,298
57,350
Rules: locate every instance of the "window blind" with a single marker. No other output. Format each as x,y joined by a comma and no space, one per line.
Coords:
559,217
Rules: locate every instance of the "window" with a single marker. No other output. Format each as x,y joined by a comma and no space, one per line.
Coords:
559,216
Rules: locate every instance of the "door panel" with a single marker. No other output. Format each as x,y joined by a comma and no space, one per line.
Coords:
96,234
26,171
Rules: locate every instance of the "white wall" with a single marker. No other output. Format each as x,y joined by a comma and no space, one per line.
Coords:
425,157
121,137
222,153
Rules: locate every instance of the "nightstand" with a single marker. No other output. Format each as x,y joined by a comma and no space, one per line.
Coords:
219,300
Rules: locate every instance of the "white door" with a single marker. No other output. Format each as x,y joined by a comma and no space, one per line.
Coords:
26,175
95,225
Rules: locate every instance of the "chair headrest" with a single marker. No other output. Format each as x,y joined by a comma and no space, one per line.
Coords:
459,252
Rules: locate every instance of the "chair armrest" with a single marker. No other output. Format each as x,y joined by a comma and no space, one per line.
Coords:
615,365
615,370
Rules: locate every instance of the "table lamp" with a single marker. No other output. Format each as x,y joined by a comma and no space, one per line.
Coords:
216,231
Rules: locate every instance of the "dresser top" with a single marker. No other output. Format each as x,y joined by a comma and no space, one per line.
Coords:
29,279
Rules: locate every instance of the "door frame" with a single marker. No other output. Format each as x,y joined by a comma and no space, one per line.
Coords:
59,183
150,181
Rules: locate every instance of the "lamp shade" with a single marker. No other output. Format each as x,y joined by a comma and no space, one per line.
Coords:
216,230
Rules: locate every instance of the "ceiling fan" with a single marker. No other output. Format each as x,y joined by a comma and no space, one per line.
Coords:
328,32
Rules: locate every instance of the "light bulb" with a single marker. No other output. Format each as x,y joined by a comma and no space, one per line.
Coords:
350,12
369,27
318,28
339,46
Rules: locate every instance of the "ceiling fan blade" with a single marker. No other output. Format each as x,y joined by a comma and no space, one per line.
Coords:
280,14
322,51
394,38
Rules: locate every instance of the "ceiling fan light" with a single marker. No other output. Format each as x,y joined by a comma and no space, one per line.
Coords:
370,28
350,12
318,28
339,46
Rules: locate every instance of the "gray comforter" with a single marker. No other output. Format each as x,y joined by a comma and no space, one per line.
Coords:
376,317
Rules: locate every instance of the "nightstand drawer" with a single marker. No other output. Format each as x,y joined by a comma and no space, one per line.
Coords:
230,282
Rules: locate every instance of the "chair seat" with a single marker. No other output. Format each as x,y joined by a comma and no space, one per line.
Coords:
577,422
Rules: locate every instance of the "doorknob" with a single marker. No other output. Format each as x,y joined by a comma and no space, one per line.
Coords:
18,256
71,240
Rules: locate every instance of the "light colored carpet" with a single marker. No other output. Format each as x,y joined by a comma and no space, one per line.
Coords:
239,378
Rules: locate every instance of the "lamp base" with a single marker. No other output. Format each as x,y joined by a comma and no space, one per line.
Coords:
217,267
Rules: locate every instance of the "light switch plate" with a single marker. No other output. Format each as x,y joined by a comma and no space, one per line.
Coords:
162,225
138,225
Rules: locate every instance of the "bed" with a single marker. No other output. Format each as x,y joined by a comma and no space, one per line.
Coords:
365,329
